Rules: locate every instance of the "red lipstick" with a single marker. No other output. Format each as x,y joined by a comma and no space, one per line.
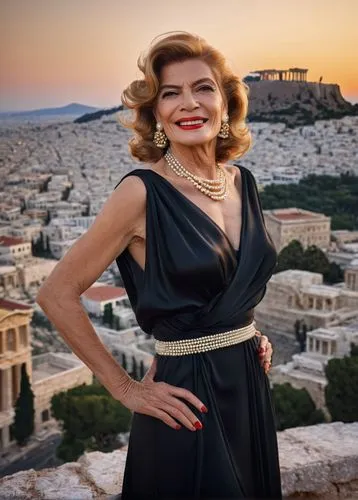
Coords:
191,122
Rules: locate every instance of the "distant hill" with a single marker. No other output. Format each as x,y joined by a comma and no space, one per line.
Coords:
296,103
97,115
72,109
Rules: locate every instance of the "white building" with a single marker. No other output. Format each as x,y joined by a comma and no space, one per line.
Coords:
287,224
49,373
62,233
58,182
344,248
35,271
301,295
307,369
96,297
13,249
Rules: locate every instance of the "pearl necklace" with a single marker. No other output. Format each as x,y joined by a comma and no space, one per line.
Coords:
214,188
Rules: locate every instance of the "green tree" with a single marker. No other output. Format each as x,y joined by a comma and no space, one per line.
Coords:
335,273
24,410
290,257
294,407
108,314
341,390
314,260
332,195
91,420
354,349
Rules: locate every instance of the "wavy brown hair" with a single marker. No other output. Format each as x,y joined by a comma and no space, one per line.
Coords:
140,96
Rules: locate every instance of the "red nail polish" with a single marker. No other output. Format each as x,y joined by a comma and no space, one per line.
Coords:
198,425
178,427
204,409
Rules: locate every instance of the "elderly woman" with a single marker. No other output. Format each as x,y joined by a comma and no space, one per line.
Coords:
188,235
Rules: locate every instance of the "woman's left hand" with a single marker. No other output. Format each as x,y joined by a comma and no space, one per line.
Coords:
265,351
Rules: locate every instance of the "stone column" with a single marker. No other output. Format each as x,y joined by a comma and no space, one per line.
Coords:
2,390
17,338
2,342
6,389
318,346
5,436
27,337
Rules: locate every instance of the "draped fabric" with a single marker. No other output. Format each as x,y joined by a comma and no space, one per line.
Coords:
196,283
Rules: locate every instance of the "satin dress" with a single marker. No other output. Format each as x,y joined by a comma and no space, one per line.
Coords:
196,283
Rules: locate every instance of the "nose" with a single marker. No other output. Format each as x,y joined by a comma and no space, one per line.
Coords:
189,102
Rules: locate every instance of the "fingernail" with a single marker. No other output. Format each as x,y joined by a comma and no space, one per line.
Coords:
204,409
178,427
198,425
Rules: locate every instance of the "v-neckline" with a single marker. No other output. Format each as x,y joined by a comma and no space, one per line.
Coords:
204,214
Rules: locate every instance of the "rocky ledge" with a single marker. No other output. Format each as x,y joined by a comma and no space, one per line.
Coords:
317,462
297,103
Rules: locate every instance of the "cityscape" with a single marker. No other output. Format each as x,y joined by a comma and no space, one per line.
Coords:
59,165
55,179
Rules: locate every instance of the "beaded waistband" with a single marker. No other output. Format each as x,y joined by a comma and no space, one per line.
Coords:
207,343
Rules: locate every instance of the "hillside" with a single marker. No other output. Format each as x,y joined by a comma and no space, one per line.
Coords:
296,103
70,109
332,195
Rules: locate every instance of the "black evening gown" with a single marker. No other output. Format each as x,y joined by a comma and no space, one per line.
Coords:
196,283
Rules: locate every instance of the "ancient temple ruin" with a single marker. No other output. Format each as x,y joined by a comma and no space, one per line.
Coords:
289,75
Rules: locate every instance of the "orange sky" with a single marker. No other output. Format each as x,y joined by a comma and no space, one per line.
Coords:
53,52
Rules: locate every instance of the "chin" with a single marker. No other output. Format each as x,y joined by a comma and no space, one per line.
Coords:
193,141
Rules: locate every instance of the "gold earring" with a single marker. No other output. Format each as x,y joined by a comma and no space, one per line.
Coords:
160,139
224,129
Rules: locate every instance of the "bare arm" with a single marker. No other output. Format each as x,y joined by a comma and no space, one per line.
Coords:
83,264
59,297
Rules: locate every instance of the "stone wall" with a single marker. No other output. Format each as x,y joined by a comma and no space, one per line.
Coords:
44,389
318,462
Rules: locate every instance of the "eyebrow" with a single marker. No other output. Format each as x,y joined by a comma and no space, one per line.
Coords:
201,80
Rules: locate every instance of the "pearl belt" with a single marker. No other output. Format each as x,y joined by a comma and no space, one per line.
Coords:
207,343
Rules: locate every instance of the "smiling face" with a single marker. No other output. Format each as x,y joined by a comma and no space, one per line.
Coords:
189,104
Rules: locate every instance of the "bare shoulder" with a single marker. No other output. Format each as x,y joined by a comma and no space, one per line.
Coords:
233,172
132,186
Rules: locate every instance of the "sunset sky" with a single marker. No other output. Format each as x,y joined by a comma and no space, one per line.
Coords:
53,52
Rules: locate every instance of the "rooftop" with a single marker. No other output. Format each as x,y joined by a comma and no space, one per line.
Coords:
294,214
11,305
7,269
8,241
297,277
102,293
323,291
50,363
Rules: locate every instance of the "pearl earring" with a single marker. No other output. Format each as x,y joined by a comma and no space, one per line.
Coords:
224,129
160,139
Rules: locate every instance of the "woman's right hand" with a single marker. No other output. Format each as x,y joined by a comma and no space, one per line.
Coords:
160,400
